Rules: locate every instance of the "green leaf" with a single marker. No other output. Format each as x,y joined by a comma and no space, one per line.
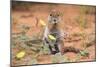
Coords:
84,53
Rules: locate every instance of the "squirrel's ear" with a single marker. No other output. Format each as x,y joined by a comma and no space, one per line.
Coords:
61,14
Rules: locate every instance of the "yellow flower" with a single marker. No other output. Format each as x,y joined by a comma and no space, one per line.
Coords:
20,55
42,23
51,37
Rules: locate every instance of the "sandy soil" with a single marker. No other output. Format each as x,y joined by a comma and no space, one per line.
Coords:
69,25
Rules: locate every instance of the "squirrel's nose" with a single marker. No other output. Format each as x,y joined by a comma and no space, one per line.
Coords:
54,20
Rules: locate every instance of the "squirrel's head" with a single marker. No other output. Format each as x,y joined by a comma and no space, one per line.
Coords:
54,17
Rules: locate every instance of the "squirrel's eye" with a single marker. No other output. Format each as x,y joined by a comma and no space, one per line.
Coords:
58,15
50,14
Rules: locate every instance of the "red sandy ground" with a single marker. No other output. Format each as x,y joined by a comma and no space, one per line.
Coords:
68,24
